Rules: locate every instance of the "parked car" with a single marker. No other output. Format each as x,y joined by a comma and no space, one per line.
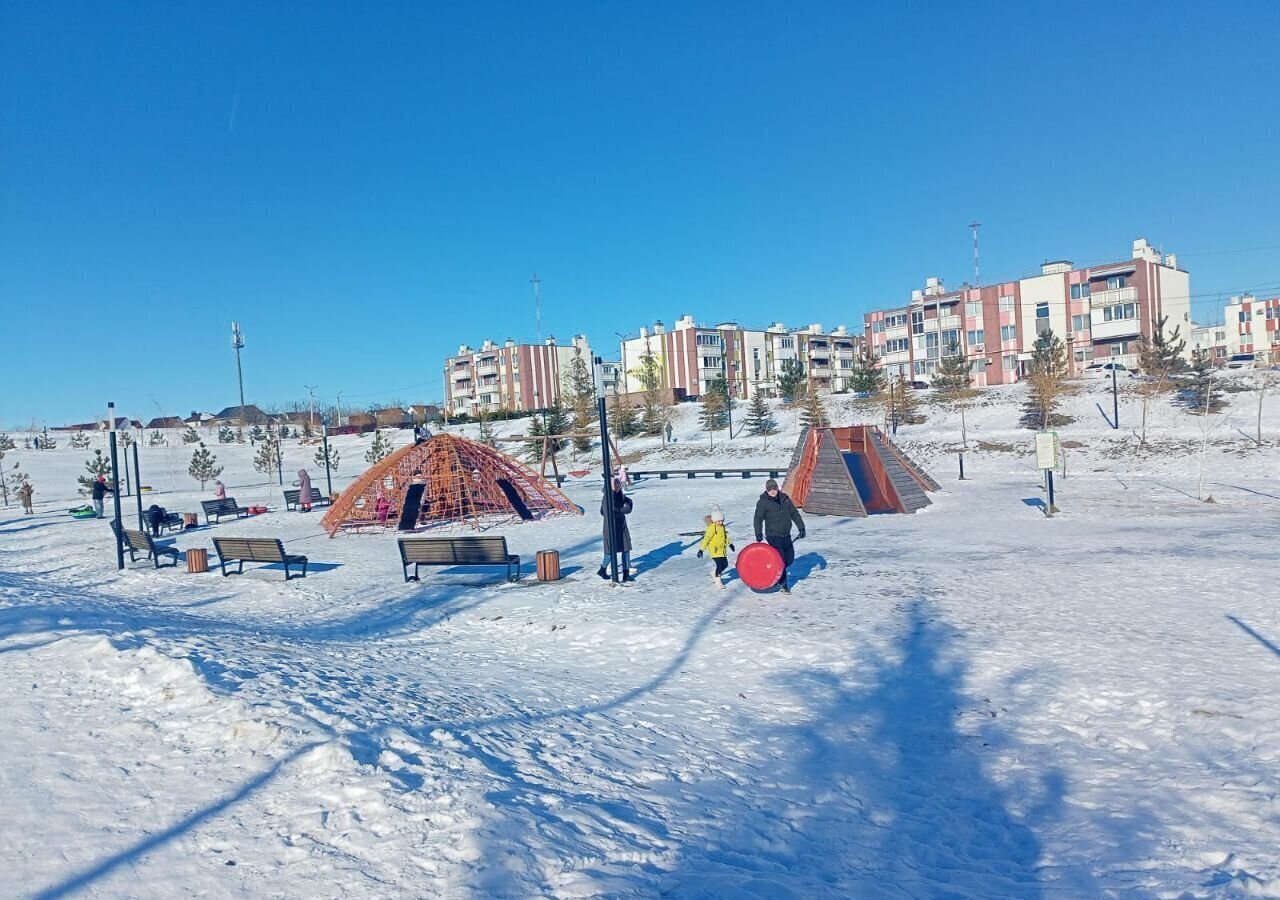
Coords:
1104,370
921,385
1242,361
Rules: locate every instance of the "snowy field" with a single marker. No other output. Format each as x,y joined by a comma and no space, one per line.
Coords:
974,701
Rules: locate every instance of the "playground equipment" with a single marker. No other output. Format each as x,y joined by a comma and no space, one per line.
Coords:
441,480
854,471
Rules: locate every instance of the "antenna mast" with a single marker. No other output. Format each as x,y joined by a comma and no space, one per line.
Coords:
977,276
537,302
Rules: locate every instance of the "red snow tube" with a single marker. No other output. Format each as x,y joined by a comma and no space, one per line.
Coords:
759,566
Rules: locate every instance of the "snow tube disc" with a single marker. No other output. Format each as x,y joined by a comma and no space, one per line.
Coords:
759,566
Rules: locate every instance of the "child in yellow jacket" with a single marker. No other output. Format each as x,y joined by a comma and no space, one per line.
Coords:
715,543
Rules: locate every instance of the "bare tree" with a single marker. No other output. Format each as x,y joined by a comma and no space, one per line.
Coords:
1049,370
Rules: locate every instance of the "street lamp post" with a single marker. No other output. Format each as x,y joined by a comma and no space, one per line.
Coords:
137,478
115,483
237,341
324,437
609,521
1115,399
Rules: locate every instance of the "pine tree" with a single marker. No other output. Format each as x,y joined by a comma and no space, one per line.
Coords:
1201,395
157,438
580,388
791,381
379,449
622,415
285,432
307,431
190,436
256,434
955,373
557,422
715,405
80,440
44,442
96,465
867,377
267,460
649,374
1048,373
6,442
760,420
204,467
814,413
1161,355
899,402
126,440
487,435
537,429
226,435
14,481
334,457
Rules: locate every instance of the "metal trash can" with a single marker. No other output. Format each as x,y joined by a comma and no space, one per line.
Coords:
548,565
197,560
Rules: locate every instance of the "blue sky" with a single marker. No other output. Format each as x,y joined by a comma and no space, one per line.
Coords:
366,188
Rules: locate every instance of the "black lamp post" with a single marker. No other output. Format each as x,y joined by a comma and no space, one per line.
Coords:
324,437
115,483
609,522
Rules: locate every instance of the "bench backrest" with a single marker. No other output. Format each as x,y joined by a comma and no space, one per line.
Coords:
138,540
472,550
219,506
251,549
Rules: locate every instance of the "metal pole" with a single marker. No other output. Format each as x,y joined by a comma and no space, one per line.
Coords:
609,523
1115,400
279,458
137,477
237,341
1049,474
115,482
962,465
324,436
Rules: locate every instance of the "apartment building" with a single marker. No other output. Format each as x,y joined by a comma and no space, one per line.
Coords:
693,356
1211,339
511,377
1099,311
1252,326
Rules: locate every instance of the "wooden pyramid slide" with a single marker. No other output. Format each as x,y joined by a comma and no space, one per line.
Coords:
854,471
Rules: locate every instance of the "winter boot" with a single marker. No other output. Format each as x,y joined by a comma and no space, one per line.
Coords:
603,573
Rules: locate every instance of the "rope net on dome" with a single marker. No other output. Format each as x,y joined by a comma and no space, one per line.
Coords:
445,479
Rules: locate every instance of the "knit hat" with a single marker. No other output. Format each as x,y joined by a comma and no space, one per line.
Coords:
771,485
717,515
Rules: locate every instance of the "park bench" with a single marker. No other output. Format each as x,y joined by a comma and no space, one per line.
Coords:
264,550
140,542
664,474
317,499
216,509
170,522
456,551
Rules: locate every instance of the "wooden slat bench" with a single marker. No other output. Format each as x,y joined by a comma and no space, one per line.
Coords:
317,499
216,509
140,542
171,521
664,474
475,550
264,550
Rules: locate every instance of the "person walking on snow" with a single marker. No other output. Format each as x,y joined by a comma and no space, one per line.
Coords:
715,543
621,509
219,491
304,490
775,514
100,490
24,494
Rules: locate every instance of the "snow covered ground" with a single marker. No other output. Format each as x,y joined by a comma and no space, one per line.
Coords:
974,701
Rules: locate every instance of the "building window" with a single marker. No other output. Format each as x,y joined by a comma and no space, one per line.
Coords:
877,327
708,340
917,322
1080,323
1243,316
973,308
1120,348
975,337
1080,291
1119,312
1008,332
1006,303
786,343
713,362
1116,282
897,345
897,320
1010,363
1079,355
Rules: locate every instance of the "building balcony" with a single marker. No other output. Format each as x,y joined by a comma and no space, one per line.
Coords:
1105,331
487,370
900,356
1111,298
892,333
947,323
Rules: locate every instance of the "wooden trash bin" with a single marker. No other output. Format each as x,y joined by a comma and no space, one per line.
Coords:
548,565
190,520
197,560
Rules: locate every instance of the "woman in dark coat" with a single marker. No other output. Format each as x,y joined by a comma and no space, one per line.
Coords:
621,509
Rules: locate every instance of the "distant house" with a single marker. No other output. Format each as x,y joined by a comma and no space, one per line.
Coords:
166,422
359,420
247,414
300,418
424,412
122,424
391,417
198,418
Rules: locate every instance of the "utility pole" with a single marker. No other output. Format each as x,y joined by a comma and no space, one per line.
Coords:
537,302
339,409
237,341
1115,400
311,390
137,475
977,276
324,436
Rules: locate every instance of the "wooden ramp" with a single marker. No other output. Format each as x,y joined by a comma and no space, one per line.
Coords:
854,471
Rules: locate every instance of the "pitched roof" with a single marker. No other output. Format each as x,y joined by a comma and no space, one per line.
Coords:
165,422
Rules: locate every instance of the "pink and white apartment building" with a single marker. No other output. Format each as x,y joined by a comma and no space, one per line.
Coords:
1252,326
692,356
512,377
1100,312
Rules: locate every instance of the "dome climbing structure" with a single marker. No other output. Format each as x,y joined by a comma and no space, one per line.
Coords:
445,479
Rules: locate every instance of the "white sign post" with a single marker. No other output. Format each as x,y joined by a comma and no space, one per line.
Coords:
1047,461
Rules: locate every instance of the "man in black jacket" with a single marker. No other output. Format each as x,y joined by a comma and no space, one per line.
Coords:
100,490
775,514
